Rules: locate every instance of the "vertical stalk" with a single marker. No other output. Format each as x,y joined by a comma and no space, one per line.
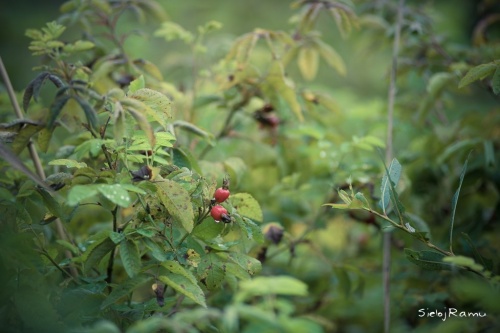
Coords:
386,261
34,157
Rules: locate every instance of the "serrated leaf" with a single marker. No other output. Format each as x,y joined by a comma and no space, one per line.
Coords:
477,73
176,268
146,232
308,60
454,201
97,251
159,104
391,175
131,260
79,193
177,202
115,193
429,260
184,286
137,84
68,163
156,250
251,265
211,270
117,237
125,288
252,230
247,206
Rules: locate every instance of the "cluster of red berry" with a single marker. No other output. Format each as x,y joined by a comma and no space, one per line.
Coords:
218,212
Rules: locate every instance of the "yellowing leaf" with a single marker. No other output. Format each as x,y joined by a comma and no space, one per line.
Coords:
307,61
279,85
331,57
177,202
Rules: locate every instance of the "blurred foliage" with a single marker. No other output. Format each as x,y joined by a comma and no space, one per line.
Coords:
139,109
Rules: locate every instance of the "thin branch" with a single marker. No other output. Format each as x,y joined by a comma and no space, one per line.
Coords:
386,261
34,157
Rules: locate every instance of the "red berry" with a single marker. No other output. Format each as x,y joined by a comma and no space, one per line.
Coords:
219,213
221,194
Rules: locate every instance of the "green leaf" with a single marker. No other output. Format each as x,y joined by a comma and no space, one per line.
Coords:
464,262
344,280
211,269
176,268
454,201
144,125
331,57
487,263
149,68
33,89
23,137
185,286
55,110
115,193
278,84
183,158
495,81
189,127
251,265
177,202
308,60
438,82
389,181
159,106
125,288
236,168
68,246
429,260
247,206
129,253
172,31
272,285
44,139
137,84
89,111
251,229
68,163
208,230
156,250
52,205
117,237
477,73
79,193
98,250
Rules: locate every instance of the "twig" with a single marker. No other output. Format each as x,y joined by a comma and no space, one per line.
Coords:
34,157
386,261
